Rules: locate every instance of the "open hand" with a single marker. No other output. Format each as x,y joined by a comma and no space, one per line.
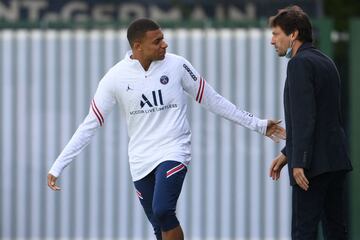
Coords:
275,131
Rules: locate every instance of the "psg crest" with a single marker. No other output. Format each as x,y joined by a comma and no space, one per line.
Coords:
164,79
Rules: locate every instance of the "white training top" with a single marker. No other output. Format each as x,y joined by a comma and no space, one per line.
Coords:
155,104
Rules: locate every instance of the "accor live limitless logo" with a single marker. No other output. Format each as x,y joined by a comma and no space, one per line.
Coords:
155,103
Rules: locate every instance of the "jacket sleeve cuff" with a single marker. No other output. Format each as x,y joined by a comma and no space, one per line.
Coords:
283,151
301,159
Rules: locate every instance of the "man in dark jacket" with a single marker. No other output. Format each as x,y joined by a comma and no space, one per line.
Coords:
315,148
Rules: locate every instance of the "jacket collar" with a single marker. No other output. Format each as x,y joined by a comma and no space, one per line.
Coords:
305,46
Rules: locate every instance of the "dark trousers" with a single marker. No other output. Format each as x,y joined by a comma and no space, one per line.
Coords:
324,200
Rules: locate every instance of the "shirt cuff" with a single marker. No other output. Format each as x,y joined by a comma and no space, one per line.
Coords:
55,172
262,126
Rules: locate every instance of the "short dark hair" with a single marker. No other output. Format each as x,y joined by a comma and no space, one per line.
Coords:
293,18
139,27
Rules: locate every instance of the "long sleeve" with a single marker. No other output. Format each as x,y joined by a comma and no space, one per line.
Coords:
203,93
77,143
100,107
302,107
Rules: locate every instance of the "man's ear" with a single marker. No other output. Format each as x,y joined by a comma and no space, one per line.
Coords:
137,46
295,35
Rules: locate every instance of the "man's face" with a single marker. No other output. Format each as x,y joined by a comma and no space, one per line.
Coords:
153,45
280,40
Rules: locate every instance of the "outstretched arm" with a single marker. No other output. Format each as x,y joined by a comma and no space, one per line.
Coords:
100,107
204,94
77,143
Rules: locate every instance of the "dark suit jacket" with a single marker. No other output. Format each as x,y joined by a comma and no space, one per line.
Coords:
315,138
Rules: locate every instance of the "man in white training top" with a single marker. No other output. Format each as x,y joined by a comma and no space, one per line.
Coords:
150,87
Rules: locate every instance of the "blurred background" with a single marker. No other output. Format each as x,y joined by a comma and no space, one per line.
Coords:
53,53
